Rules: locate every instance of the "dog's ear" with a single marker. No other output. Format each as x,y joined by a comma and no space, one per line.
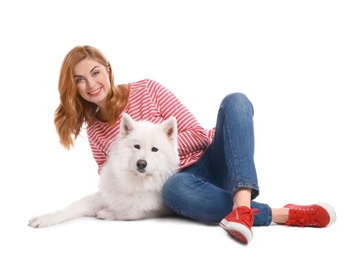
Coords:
170,128
126,125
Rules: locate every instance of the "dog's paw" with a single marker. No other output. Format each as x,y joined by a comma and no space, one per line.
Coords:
43,220
105,214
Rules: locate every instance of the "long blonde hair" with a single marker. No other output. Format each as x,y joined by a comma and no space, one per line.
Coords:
74,111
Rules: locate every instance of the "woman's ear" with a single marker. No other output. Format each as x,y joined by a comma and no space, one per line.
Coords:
109,70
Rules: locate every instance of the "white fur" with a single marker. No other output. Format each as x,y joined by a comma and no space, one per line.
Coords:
128,190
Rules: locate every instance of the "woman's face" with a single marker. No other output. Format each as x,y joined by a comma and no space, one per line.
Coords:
92,81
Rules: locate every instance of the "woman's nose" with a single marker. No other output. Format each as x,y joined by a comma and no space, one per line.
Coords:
91,82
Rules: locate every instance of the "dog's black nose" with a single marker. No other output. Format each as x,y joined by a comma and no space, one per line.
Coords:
141,164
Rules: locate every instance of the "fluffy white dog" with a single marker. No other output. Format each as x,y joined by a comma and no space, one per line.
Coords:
141,159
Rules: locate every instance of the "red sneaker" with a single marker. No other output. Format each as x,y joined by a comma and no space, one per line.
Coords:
239,223
315,215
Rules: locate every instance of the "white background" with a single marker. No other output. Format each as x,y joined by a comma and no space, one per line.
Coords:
298,61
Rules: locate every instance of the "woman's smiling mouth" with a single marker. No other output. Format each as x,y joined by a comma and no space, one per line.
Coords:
95,92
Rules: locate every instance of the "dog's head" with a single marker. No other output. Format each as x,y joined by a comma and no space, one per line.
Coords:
151,149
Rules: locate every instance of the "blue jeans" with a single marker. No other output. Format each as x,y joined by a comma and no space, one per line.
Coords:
204,191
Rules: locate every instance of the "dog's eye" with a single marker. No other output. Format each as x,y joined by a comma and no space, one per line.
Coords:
154,149
137,146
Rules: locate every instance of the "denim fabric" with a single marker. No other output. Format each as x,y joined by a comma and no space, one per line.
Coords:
204,190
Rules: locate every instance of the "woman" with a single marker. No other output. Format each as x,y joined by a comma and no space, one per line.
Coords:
217,179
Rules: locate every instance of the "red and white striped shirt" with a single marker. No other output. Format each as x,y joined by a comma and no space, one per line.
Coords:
151,101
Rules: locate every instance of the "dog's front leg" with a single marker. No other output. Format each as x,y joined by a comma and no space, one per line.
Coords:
85,207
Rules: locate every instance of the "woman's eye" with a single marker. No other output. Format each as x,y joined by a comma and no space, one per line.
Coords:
79,80
95,73
137,146
154,149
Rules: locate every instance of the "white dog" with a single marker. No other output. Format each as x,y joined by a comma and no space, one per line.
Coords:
141,159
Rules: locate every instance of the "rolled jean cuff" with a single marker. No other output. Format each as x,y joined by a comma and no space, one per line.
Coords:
264,217
254,189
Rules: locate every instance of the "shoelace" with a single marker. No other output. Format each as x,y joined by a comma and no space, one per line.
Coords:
301,218
243,214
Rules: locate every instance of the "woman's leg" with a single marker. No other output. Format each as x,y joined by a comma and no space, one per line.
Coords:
233,166
207,188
